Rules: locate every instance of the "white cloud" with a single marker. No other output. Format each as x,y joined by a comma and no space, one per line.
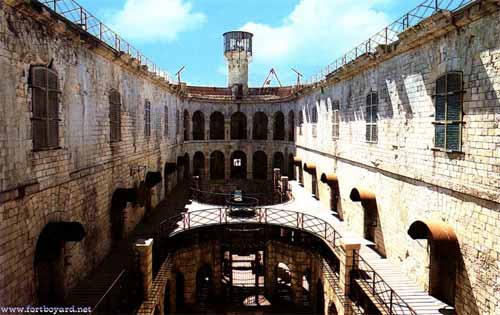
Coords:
315,32
148,20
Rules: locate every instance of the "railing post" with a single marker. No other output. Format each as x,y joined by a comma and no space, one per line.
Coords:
54,6
390,304
144,264
100,30
436,5
326,229
348,265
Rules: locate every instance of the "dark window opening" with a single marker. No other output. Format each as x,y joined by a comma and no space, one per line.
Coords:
260,126
217,165
147,119
238,165
45,105
291,126
217,126
186,125
114,116
198,126
238,126
279,126
259,168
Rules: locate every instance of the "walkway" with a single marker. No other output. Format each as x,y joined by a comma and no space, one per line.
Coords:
90,291
419,300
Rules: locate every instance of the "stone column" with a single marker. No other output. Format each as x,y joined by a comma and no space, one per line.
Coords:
144,257
276,178
347,263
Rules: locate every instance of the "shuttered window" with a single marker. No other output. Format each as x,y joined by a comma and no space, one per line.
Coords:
165,113
314,121
177,122
301,121
114,116
335,120
371,117
147,119
448,106
45,93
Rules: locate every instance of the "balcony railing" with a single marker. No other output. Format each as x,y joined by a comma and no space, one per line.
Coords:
389,34
379,289
73,12
222,216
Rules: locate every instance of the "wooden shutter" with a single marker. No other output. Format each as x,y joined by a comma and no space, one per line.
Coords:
45,103
115,115
448,116
166,121
147,119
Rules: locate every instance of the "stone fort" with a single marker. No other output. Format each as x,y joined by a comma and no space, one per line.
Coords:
372,189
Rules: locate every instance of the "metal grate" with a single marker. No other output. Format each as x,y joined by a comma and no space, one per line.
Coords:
73,12
390,33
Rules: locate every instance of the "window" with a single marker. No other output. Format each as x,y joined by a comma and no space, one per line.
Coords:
114,116
371,117
237,162
147,119
165,113
177,122
45,91
301,121
335,120
314,121
448,104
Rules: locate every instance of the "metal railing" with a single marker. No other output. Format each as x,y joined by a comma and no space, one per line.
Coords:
221,216
390,33
379,288
73,12
112,301
249,199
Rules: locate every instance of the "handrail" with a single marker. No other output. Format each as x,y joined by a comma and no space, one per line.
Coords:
221,216
73,12
380,289
389,34
111,287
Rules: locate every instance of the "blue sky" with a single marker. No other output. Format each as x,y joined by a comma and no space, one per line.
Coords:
303,34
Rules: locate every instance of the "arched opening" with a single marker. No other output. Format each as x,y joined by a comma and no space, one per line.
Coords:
49,260
260,126
310,168
118,203
291,126
320,298
371,220
186,125
217,165
166,299
279,162
301,121
198,126
179,291
297,163
168,170
331,181
204,285
180,168
238,126
217,126
238,165
444,251
259,168
199,164
306,287
283,283
291,167
279,126
332,309
186,166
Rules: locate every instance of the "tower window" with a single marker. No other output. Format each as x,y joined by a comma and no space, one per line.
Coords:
371,117
45,121
448,105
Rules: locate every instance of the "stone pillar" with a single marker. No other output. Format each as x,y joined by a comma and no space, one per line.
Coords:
276,178
284,184
347,263
144,255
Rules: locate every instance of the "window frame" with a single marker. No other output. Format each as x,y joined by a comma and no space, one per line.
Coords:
147,119
46,90
165,122
335,119
118,104
446,122
371,120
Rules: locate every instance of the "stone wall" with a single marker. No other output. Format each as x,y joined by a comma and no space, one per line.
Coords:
410,179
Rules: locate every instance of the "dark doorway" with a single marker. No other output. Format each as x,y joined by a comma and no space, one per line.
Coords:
279,161
259,167
291,126
238,165
238,126
198,126
186,125
260,126
187,168
320,298
279,126
217,165
291,167
179,291
217,126
204,286
199,164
